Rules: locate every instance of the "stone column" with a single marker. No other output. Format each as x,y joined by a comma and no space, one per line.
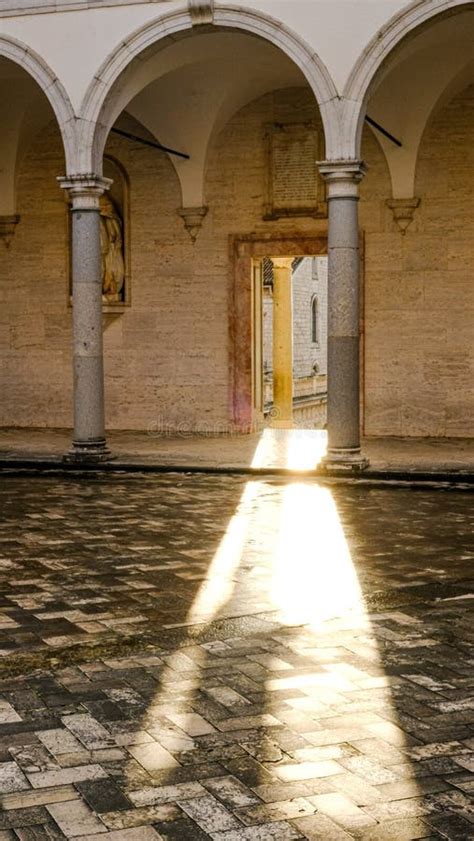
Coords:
342,179
89,430
282,343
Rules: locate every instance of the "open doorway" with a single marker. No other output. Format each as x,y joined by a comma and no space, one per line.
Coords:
308,320
290,341
252,329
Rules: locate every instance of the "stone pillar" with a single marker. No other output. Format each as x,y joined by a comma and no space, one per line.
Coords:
342,179
89,429
282,343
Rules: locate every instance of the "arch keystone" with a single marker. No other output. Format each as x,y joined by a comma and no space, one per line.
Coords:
201,11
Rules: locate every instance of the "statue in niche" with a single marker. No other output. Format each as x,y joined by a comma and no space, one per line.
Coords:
111,244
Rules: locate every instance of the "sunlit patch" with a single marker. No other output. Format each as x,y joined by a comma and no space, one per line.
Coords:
313,575
284,550
293,449
219,584
284,558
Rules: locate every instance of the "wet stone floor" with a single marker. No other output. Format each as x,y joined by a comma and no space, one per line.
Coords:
193,657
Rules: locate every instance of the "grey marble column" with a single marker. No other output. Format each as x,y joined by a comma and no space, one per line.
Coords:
342,179
89,442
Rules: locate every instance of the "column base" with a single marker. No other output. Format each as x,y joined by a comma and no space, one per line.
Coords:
345,460
88,452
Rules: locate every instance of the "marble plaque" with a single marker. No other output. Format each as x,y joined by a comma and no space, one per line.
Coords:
294,186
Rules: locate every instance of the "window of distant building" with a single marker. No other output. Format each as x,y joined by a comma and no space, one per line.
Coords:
314,320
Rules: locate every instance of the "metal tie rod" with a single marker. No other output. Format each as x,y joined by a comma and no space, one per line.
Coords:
382,130
153,143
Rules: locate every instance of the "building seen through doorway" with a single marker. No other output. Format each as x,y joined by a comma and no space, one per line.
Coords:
308,341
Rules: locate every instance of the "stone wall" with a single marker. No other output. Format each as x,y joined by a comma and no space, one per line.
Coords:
310,280
419,288
168,356
35,320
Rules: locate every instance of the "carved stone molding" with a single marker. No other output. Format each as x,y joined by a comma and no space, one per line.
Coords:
342,177
193,218
7,228
403,211
84,189
201,11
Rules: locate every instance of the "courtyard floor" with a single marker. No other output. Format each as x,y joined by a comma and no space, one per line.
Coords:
271,449
215,657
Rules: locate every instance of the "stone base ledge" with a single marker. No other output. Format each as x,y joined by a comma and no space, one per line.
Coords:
345,460
92,452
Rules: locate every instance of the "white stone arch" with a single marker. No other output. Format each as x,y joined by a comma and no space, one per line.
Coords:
401,26
36,67
97,112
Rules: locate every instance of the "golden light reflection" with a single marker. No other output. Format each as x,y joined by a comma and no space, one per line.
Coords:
293,449
284,550
313,576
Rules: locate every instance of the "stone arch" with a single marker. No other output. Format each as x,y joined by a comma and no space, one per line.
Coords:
50,85
401,26
96,111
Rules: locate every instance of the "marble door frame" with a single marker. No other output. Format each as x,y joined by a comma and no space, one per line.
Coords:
243,249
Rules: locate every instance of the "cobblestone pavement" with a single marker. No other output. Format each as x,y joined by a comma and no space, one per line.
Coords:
192,657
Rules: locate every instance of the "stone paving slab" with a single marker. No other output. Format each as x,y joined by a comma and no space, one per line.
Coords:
205,657
271,449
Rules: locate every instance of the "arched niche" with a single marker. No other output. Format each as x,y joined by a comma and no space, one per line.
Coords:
115,239
119,196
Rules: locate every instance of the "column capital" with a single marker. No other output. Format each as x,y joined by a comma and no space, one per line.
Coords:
282,262
342,177
84,189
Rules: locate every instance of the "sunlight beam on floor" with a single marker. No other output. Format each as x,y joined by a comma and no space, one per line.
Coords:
293,449
285,558
287,550
313,577
218,586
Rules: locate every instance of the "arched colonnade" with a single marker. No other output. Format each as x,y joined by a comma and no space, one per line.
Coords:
84,134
